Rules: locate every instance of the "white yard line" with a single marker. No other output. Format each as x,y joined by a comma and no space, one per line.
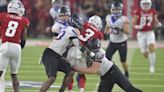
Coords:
147,79
147,73
146,68
150,86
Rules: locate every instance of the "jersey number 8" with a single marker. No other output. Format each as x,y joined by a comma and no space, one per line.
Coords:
11,29
146,21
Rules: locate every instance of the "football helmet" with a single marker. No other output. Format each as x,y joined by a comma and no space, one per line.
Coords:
93,45
95,21
145,4
76,21
116,9
64,14
64,11
16,6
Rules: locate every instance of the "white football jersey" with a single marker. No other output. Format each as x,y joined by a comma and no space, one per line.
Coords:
105,63
115,35
60,43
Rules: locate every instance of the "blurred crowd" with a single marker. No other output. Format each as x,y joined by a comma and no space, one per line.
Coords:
38,12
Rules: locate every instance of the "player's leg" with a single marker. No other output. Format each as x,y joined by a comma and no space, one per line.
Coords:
3,65
122,81
50,63
70,86
73,56
111,49
152,54
141,37
123,57
68,54
14,63
65,67
81,79
2,82
107,82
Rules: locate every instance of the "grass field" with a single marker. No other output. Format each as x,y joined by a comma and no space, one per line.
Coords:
30,70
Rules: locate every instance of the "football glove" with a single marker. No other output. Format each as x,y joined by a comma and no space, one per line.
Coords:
118,29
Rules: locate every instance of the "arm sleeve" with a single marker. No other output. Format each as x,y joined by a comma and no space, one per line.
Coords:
27,22
55,28
101,36
136,12
107,20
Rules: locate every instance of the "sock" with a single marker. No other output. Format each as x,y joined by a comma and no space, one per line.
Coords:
127,74
82,80
81,89
152,58
70,85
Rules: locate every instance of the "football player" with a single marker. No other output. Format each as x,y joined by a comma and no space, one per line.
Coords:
90,29
144,20
52,57
117,26
64,16
13,34
109,73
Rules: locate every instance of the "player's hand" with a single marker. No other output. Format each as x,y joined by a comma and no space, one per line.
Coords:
138,27
97,57
159,25
63,58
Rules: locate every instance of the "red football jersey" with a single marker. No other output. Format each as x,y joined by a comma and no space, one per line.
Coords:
88,32
146,18
12,27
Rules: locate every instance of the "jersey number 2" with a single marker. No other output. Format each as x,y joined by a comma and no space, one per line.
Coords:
11,29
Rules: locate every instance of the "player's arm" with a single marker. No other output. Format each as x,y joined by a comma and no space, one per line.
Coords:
23,38
157,22
75,39
55,29
93,69
134,23
107,28
126,26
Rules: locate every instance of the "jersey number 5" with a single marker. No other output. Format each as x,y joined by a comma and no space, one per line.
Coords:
11,29
146,21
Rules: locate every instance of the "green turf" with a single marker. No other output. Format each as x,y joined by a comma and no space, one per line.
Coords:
30,70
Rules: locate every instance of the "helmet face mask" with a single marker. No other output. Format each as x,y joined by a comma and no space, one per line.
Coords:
94,45
64,17
16,7
64,13
76,21
95,21
145,4
116,9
